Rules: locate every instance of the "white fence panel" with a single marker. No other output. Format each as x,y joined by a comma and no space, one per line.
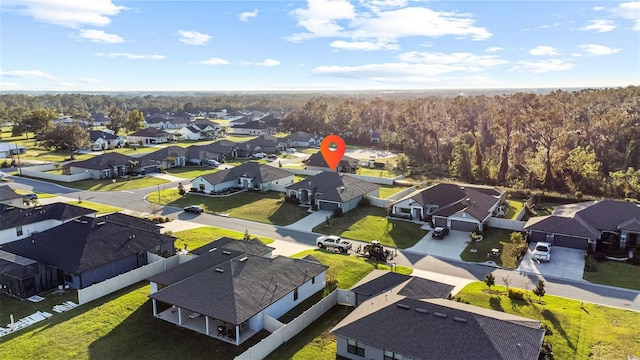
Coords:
346,297
377,179
271,324
378,202
267,345
521,213
40,171
506,224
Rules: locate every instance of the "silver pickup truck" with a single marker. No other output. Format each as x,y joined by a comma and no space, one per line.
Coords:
333,242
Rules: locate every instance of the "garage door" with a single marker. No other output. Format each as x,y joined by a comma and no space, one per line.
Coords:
323,205
440,221
570,242
463,225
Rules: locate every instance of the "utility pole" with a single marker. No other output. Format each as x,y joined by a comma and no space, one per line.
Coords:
18,153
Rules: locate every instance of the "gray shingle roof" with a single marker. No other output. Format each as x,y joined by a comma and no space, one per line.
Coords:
253,246
332,186
164,153
150,132
378,281
467,332
103,161
13,217
7,193
86,243
131,221
318,160
299,136
259,172
237,289
97,134
211,150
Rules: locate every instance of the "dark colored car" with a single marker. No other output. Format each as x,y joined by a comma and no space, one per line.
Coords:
440,232
30,197
194,209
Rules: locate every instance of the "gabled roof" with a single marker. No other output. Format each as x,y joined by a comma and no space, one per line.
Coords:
450,199
97,134
7,193
103,161
332,186
239,288
210,150
164,153
156,120
86,243
299,136
379,281
253,246
254,124
131,221
440,329
609,214
150,132
318,160
260,173
13,216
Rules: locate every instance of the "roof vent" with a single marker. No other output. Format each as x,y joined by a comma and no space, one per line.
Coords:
219,270
422,311
226,252
100,223
243,259
212,249
84,222
460,319
77,220
440,315
403,306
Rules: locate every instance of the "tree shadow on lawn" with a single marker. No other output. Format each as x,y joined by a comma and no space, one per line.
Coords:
551,317
496,303
141,336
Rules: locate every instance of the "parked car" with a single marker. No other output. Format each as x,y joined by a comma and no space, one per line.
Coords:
30,197
440,232
194,209
542,251
213,163
259,155
291,150
333,242
272,157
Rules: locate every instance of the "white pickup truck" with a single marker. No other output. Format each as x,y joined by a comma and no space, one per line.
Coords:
333,242
542,251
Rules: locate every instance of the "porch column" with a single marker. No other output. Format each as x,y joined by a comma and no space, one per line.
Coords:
237,335
179,315
155,308
206,325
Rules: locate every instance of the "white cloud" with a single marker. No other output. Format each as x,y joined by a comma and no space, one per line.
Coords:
545,26
542,66
64,85
214,61
599,25
320,18
598,8
245,16
595,49
363,45
99,36
193,37
379,5
131,56
631,11
494,49
89,80
68,13
543,51
269,62
27,74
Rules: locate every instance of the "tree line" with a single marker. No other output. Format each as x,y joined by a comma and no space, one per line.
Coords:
584,141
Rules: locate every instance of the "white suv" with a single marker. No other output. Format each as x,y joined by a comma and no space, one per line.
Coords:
542,252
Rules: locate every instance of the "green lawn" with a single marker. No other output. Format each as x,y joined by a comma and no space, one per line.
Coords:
19,308
371,223
595,332
615,273
195,238
347,269
131,152
378,172
493,238
513,208
40,195
265,207
236,162
388,190
109,185
191,172
100,208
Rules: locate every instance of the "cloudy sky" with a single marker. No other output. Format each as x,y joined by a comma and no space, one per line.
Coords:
104,45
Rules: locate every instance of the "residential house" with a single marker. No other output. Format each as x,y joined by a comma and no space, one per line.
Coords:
9,197
250,175
605,224
253,246
217,114
316,161
100,119
157,122
264,126
455,206
374,137
330,190
8,150
398,325
168,157
264,143
20,223
110,165
228,294
302,139
89,250
219,150
103,140
149,136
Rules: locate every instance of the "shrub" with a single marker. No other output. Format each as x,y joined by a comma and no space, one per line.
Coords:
600,256
635,260
167,219
337,212
193,189
546,351
314,207
547,329
516,294
590,264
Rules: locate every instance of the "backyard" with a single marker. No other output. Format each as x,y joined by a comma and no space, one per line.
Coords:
369,223
195,238
492,239
191,172
579,330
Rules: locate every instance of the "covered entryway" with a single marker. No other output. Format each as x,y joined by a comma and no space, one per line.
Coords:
304,196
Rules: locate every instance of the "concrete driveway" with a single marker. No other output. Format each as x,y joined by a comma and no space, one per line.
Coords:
565,263
450,247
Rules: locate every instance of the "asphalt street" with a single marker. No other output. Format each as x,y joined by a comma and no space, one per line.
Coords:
135,200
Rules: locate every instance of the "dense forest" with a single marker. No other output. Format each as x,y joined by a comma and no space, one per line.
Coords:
581,142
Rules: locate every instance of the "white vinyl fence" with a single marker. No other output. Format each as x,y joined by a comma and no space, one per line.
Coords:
371,179
40,171
108,286
287,331
506,224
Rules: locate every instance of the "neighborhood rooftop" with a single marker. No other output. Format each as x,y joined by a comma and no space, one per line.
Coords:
259,172
332,186
13,217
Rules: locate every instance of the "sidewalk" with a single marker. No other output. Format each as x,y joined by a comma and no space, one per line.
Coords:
169,177
310,221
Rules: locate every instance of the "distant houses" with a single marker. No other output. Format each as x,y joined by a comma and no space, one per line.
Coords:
250,176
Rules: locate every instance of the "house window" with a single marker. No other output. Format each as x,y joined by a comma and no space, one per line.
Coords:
201,187
295,294
355,347
405,211
390,355
19,231
313,280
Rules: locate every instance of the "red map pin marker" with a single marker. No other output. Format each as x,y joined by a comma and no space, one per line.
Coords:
332,148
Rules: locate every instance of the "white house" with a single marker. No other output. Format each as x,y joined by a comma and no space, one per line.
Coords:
9,197
9,149
250,175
